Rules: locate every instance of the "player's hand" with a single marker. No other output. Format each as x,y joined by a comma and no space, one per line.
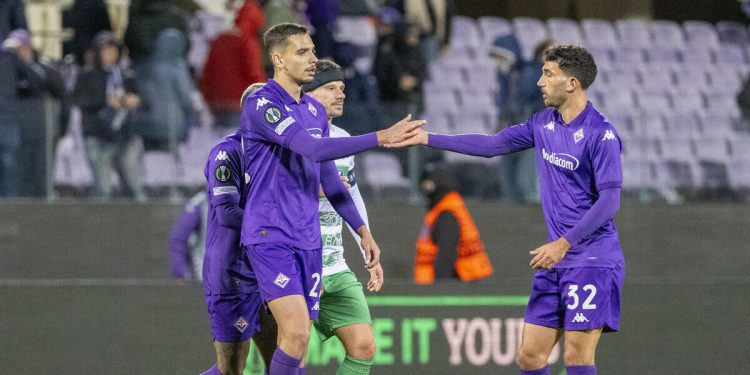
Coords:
345,180
372,251
420,138
548,255
376,278
402,130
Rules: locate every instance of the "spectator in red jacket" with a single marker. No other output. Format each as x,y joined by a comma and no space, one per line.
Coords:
234,62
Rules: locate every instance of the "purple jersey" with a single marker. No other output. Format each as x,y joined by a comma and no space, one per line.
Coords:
283,189
225,267
575,162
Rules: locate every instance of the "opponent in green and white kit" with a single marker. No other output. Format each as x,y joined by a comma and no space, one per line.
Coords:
343,308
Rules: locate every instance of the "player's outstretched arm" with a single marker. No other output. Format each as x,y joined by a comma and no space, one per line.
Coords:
509,140
325,149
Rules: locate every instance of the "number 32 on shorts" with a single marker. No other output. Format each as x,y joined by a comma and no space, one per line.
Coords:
573,293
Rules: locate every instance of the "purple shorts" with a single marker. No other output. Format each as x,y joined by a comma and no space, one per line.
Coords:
234,317
576,299
284,270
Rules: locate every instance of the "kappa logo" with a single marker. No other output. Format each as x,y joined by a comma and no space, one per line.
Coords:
281,280
261,102
550,126
577,136
316,307
287,108
608,136
580,318
241,324
565,161
312,109
222,155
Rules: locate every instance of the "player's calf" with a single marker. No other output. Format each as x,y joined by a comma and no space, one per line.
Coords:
231,357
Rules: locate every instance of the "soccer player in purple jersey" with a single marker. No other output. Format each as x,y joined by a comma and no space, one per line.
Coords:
576,292
229,285
289,156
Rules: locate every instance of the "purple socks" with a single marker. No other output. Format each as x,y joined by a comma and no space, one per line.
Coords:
541,371
581,370
283,364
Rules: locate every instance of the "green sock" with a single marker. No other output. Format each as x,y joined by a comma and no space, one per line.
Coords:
354,366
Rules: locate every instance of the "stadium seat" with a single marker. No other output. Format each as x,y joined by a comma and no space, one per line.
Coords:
467,121
700,34
565,31
683,123
637,174
738,174
712,149
672,174
465,31
666,34
697,57
599,33
662,56
656,78
602,57
640,148
618,100
650,124
723,103
716,124
441,102
731,57
159,169
381,170
530,33
493,27
653,103
732,32
633,33
628,55
691,77
738,147
439,123
621,79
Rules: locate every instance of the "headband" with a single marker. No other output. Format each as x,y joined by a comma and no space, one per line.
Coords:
323,78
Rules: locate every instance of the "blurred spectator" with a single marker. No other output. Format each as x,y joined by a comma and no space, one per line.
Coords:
12,17
187,240
448,246
166,82
433,19
281,11
234,62
108,97
145,21
517,99
34,113
322,16
743,100
87,18
401,70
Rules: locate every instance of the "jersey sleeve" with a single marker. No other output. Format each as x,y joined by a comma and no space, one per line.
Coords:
605,159
224,174
265,120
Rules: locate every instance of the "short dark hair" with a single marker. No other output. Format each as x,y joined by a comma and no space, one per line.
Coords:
322,66
574,61
278,35
249,91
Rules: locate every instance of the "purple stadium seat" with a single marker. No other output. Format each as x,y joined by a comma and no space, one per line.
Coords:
530,33
439,123
382,170
618,101
493,27
691,77
650,125
159,169
621,79
599,33
738,174
602,56
738,147
660,55
565,31
686,101
447,75
477,102
700,34
697,56
441,102
718,124
640,148
633,32
667,34
632,56
468,121
675,149
732,32
465,31
712,149
725,104
637,174
656,78
724,81
732,57
653,103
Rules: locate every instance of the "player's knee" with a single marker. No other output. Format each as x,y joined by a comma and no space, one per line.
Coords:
575,355
298,338
364,348
530,359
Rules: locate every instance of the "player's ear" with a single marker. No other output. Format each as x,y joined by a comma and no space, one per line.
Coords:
276,59
573,84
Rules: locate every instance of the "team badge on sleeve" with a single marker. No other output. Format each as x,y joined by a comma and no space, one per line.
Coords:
272,115
223,173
